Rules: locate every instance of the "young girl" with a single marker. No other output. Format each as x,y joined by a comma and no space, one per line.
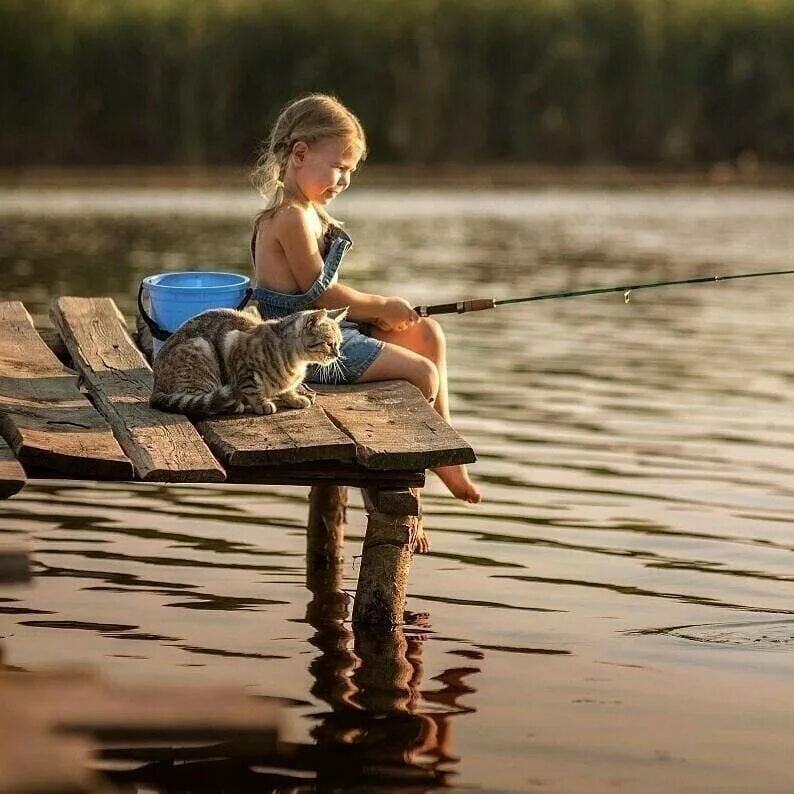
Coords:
297,248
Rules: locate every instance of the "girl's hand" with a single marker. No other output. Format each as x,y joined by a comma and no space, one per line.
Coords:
396,314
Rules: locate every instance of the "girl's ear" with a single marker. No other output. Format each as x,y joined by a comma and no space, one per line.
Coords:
299,150
338,314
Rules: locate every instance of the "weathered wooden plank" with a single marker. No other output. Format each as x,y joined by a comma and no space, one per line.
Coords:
52,339
163,447
12,475
393,426
286,437
43,415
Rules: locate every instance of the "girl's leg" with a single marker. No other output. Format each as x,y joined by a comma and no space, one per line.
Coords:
420,353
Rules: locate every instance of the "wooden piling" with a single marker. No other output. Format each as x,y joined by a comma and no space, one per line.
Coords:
386,558
325,537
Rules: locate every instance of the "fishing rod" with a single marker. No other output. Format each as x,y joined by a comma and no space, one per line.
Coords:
478,304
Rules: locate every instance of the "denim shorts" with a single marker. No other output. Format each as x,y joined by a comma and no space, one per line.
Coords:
358,351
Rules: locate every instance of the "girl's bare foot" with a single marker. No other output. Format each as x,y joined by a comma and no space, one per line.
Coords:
456,478
420,543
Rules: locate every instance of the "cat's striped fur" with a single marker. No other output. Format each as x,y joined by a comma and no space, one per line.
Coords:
224,361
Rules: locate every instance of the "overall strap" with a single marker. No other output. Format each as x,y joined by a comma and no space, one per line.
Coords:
254,235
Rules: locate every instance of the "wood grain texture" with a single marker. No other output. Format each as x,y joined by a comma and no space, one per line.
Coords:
44,417
385,564
393,426
286,437
163,447
12,475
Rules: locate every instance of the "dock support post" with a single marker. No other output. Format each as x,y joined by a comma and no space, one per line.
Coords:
392,526
325,536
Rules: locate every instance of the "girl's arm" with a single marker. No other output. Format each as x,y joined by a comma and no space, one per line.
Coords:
296,236
364,306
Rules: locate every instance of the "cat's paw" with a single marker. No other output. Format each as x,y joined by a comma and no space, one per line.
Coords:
308,393
268,407
291,399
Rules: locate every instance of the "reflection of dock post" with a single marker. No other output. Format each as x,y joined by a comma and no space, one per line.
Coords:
385,675
325,537
392,526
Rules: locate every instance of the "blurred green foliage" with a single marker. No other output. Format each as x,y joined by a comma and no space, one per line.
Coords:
585,81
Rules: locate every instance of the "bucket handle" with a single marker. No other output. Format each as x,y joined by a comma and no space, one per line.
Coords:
160,333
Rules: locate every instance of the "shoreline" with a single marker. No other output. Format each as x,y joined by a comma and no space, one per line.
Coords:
453,176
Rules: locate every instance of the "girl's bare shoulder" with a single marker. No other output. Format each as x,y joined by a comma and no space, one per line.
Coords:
295,225
289,218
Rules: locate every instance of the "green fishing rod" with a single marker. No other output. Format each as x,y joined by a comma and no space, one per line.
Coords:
478,304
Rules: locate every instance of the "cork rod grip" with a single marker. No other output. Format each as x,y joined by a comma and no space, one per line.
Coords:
478,305
461,307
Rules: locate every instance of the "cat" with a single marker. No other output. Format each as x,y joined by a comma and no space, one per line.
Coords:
225,361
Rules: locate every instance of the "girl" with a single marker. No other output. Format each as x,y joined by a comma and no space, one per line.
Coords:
297,247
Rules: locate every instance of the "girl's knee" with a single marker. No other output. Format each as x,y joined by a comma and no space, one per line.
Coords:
426,378
431,338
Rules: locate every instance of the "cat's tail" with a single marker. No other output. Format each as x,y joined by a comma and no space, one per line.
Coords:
223,400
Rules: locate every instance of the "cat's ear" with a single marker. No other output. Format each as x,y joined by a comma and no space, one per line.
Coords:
316,317
337,315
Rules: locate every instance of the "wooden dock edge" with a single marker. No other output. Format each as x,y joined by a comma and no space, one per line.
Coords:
43,413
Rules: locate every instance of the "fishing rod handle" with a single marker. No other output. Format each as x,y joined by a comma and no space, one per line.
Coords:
461,307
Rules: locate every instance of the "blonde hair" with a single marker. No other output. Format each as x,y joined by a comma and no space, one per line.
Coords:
310,119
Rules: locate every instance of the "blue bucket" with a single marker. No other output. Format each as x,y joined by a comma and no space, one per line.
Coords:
176,297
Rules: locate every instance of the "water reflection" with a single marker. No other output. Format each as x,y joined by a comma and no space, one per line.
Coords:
382,728
372,680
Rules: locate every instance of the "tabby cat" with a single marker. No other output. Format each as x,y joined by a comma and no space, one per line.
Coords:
224,361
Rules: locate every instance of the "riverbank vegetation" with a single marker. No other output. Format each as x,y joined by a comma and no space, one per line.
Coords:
641,82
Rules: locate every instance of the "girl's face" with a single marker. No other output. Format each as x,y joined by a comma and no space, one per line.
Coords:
323,169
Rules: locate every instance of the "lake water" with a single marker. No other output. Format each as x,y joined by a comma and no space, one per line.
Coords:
619,612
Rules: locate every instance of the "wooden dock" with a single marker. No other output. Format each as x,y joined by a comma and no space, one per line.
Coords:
74,404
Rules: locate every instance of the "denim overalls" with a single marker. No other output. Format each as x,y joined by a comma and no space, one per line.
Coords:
358,349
